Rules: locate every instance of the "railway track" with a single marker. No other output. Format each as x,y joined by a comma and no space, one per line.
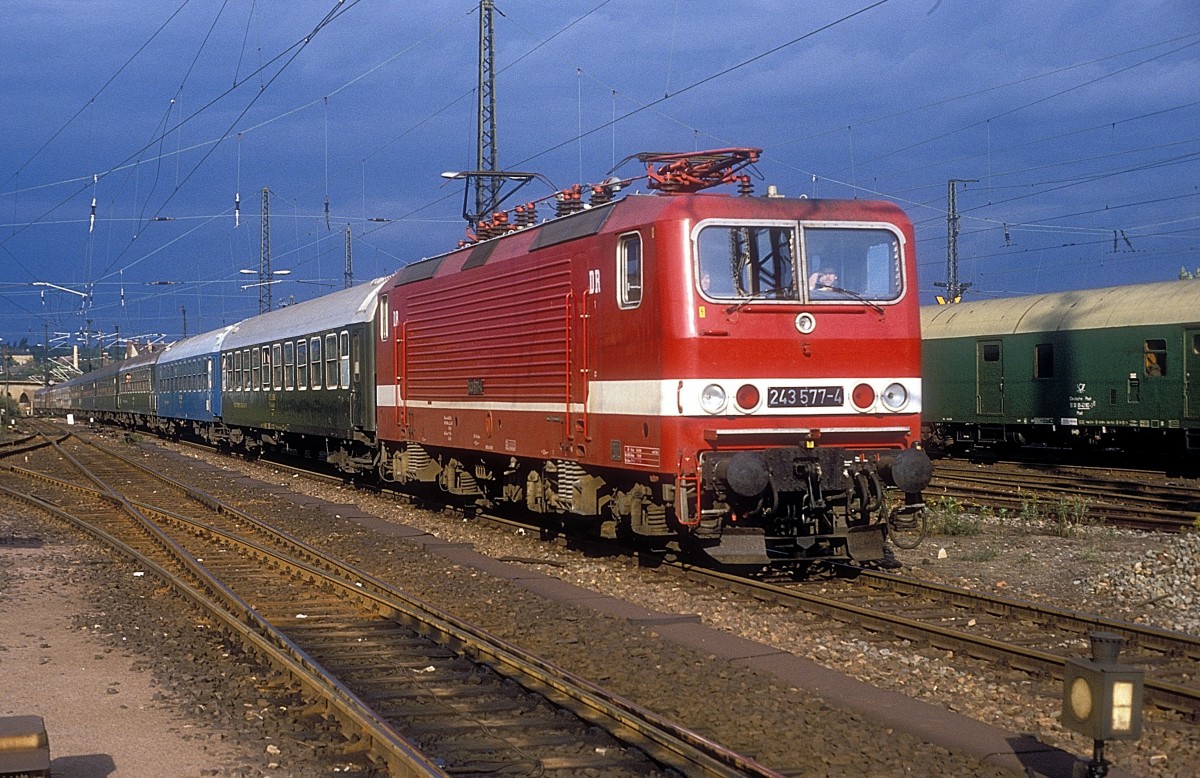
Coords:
1114,497
428,694
1024,635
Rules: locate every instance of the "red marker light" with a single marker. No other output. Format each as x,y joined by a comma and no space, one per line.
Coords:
747,397
863,396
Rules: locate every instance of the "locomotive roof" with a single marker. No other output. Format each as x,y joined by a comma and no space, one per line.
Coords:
331,311
195,346
633,210
1168,302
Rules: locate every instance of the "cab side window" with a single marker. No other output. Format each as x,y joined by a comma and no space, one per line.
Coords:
629,270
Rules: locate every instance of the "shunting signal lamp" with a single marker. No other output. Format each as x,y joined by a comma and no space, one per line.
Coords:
1102,698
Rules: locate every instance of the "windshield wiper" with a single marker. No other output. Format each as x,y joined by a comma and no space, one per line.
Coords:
762,295
855,295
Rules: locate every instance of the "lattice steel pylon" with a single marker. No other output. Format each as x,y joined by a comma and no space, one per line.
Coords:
487,188
264,255
954,288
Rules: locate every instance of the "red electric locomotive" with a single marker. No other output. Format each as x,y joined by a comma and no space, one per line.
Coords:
739,373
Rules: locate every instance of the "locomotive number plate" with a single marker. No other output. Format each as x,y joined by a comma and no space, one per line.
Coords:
805,396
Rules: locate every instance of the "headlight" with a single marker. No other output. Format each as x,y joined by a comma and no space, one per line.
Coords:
894,397
712,399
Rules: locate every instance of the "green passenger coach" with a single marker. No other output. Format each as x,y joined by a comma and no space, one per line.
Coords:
302,378
1115,367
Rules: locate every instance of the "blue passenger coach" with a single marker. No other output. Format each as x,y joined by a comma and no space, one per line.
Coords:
189,385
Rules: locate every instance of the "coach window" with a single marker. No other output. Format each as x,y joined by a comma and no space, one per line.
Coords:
247,383
629,270
1043,360
301,364
1154,357
266,367
344,361
331,362
991,352
236,384
289,366
314,361
276,366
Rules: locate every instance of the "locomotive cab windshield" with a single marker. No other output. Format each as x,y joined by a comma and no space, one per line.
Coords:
764,261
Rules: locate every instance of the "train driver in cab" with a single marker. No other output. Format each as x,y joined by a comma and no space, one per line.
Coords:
823,280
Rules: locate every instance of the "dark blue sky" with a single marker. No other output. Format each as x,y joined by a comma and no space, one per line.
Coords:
1079,119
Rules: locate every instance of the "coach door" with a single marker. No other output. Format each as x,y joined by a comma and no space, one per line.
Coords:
350,372
1191,373
989,372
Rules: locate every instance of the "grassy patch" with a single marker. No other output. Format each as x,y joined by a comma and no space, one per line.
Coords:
948,517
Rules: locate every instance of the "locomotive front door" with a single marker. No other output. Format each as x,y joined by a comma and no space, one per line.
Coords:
1191,373
989,377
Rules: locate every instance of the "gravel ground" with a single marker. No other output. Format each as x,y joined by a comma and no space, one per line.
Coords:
128,684
1023,563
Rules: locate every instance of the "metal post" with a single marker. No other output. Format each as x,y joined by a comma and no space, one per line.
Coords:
349,279
1098,767
46,351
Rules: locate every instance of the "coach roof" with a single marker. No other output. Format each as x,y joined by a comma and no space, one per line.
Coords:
195,346
329,312
1168,302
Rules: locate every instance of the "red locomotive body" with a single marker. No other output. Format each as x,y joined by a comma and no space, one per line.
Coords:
671,366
